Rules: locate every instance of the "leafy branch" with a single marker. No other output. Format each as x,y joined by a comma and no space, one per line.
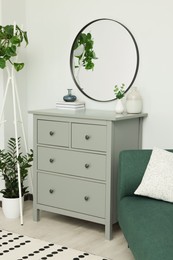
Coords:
119,91
10,40
88,55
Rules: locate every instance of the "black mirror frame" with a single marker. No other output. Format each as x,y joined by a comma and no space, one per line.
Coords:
71,57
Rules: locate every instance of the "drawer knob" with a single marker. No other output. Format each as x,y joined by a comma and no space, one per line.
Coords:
51,160
87,137
51,191
86,198
87,165
51,133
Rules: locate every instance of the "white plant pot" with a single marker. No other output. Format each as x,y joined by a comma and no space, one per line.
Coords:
11,207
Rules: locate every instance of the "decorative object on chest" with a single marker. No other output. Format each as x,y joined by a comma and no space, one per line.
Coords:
75,164
76,105
69,97
134,101
119,93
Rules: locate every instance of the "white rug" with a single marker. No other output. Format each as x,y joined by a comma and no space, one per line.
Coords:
18,247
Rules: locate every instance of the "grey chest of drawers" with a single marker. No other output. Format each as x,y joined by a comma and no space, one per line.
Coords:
75,161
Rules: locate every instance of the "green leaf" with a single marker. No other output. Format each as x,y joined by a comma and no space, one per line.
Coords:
11,51
88,36
25,37
2,51
8,30
18,66
82,38
2,63
15,40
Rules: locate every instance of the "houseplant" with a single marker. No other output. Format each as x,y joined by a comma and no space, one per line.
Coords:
11,37
119,93
9,162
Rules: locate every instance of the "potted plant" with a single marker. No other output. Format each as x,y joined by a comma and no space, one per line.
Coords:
11,38
9,162
119,93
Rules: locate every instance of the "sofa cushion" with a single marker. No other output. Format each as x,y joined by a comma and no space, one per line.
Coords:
157,181
148,227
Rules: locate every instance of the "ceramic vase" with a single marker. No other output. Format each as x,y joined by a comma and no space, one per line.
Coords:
119,108
69,97
134,102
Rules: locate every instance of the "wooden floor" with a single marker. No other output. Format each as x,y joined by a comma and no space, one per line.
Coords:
74,233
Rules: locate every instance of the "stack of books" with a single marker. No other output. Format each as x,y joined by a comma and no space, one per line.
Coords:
70,105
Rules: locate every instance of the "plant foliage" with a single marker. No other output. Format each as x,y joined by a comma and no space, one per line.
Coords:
119,91
9,42
9,162
88,55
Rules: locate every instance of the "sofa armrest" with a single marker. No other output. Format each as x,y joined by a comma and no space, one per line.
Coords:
132,165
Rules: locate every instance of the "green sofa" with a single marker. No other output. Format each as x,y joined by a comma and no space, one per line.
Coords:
147,224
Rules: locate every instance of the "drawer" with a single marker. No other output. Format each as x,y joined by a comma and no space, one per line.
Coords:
72,162
89,137
53,133
71,194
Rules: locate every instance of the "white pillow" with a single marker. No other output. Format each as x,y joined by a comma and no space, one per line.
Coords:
157,181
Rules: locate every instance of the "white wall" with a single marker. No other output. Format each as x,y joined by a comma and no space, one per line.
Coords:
52,27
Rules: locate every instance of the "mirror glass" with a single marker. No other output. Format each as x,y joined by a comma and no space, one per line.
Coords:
103,54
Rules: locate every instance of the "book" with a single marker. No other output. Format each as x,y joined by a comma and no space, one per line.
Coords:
70,105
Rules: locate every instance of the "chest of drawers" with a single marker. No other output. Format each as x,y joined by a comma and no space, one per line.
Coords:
75,162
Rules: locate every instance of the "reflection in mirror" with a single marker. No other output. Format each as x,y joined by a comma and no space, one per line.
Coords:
103,54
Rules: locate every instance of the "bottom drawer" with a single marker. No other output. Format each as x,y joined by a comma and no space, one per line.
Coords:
72,194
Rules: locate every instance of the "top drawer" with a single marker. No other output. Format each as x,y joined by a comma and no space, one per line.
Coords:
89,137
53,133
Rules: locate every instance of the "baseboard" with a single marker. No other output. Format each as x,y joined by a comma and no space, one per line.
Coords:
28,196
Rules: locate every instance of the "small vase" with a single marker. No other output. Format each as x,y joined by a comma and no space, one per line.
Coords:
119,108
69,97
134,102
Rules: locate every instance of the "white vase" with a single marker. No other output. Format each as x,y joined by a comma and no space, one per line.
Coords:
134,102
119,108
11,207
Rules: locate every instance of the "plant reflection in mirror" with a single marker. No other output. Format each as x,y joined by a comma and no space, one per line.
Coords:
83,51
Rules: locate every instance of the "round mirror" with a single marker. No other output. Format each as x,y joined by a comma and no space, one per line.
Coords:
103,54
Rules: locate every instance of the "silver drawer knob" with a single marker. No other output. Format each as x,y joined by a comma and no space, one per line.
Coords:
86,198
87,137
51,191
87,165
51,133
51,160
